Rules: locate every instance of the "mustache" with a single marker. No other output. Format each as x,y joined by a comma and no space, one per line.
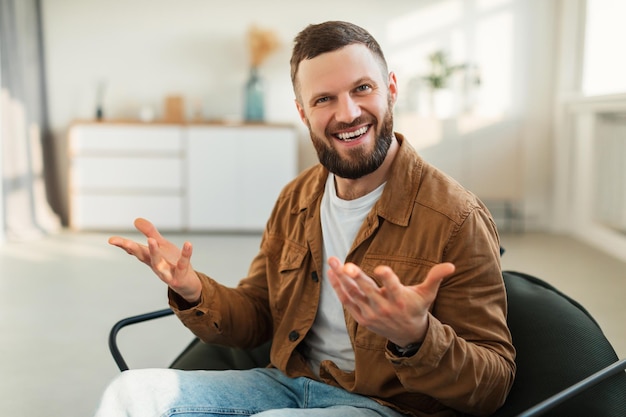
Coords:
343,126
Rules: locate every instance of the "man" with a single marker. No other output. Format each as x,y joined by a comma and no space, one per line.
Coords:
378,277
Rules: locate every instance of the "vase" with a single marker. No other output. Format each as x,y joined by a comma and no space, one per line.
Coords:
254,97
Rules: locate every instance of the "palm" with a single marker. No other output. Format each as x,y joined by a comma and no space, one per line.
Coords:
169,253
392,310
171,264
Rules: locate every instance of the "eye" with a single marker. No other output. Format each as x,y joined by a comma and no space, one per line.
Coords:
363,88
322,100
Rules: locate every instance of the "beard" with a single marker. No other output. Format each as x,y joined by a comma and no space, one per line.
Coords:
360,162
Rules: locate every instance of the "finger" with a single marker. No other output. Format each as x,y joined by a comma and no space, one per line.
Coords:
336,274
346,299
364,281
367,299
370,296
184,261
336,284
148,229
389,281
347,291
131,247
344,275
159,264
334,263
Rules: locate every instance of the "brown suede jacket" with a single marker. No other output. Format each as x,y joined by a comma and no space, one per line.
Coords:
466,362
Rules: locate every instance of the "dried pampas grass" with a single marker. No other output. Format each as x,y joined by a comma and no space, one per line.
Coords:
262,43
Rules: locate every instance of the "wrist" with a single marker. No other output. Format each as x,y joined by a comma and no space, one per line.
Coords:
179,302
192,291
192,298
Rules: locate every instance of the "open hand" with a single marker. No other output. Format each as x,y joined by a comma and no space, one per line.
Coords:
171,264
393,310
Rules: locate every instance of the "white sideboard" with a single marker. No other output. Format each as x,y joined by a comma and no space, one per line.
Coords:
236,174
182,177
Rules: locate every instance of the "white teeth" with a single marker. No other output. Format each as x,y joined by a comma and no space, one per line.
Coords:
351,135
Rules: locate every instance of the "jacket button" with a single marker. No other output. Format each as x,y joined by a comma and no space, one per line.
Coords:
293,335
314,276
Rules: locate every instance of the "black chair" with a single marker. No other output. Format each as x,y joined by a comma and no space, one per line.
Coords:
565,365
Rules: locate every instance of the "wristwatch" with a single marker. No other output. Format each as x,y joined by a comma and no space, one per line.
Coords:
404,352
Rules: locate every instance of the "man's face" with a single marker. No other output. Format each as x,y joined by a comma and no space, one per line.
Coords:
346,102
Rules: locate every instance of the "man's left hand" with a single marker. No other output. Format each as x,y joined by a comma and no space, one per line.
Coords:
393,310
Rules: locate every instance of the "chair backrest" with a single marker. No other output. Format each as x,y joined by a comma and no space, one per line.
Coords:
201,356
558,344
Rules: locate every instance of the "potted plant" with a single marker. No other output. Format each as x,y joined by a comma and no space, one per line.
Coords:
442,98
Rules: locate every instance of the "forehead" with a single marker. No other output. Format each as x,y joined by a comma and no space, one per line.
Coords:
333,71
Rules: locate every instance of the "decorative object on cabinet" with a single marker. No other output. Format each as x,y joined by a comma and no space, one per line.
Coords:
255,97
174,109
146,114
183,177
100,99
261,43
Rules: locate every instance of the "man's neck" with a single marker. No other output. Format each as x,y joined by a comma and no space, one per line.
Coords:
352,189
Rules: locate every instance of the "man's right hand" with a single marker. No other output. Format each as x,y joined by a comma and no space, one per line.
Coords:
168,262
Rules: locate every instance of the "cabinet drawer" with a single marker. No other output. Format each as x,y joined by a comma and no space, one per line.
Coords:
125,138
117,212
127,173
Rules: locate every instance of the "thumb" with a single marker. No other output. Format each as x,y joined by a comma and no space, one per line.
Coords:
436,274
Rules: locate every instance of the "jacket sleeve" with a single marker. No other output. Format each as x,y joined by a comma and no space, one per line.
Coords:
229,316
466,360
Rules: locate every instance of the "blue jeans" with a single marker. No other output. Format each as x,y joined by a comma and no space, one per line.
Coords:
255,392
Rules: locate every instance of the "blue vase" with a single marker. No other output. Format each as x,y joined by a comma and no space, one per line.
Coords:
255,106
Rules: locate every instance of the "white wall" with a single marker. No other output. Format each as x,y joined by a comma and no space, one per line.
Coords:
146,49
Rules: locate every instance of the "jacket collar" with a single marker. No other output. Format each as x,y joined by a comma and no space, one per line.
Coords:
396,203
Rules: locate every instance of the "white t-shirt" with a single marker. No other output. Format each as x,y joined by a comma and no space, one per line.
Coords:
341,220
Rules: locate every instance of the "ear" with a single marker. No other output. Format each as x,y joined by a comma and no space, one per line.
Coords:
301,111
392,85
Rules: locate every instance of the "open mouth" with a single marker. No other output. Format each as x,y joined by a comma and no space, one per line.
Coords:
352,136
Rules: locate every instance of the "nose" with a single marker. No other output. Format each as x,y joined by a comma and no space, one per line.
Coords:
347,109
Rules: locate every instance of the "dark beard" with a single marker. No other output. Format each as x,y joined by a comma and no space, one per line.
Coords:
360,163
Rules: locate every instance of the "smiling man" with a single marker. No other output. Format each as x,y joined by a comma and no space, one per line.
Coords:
378,278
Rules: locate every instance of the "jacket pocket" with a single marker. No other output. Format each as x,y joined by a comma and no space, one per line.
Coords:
286,255
284,273
291,257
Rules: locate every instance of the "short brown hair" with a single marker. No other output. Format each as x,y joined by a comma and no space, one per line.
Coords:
330,36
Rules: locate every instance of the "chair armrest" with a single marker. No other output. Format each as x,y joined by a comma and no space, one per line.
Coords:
575,389
117,356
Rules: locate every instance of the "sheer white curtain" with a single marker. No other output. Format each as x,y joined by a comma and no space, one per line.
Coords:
23,123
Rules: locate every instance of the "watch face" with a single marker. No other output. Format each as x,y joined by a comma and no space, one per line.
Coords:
406,351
